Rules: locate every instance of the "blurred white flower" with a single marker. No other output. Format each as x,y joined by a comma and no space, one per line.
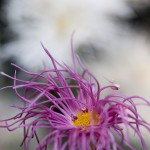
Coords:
126,56
53,22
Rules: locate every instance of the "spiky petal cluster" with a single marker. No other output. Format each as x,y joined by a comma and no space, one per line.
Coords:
72,109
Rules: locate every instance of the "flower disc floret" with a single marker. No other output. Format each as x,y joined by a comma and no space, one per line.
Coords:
85,118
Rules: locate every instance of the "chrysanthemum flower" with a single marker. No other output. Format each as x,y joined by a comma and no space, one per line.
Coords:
70,105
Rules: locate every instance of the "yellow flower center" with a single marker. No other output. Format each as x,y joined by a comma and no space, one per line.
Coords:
83,119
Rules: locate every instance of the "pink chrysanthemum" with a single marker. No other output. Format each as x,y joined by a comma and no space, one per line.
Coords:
73,110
